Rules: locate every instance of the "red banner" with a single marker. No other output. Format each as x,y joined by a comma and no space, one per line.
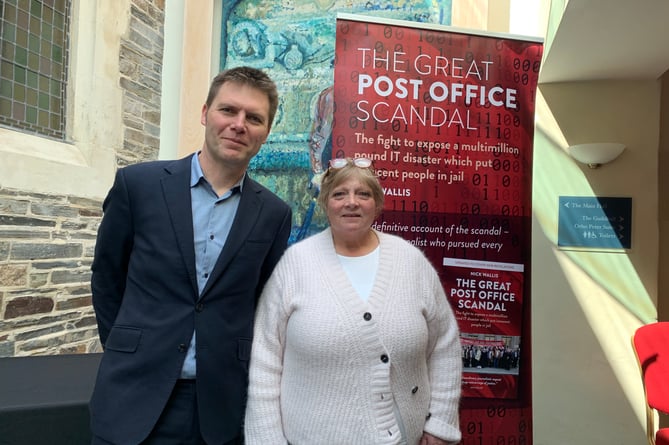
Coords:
448,118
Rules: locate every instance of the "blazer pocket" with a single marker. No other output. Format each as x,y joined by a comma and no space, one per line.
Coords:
123,339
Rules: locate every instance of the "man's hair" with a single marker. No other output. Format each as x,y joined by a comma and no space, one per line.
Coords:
252,77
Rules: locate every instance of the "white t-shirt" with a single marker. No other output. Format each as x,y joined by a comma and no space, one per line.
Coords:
361,270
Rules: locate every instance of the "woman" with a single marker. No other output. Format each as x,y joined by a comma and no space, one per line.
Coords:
355,342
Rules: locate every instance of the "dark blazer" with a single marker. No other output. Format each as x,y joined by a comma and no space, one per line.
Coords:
146,301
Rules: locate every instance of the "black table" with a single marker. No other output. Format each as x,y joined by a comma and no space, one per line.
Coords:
44,399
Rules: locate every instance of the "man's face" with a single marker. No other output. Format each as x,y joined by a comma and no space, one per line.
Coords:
236,124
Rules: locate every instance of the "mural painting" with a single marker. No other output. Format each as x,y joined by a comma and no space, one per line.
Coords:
294,42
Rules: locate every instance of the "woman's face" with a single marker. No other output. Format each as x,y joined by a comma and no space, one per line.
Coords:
351,208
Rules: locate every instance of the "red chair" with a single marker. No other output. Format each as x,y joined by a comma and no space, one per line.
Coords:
651,346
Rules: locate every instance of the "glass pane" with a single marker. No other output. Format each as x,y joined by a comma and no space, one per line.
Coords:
5,107
44,66
46,48
19,74
35,25
46,31
33,61
32,79
34,45
43,83
19,93
43,118
24,4
31,97
59,21
31,115
10,12
57,53
9,32
44,101
21,56
21,37
36,8
22,20
55,121
19,111
55,104
7,50
6,71
47,14
6,89
58,36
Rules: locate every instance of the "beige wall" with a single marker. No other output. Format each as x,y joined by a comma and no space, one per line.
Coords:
470,14
191,58
197,72
586,304
482,14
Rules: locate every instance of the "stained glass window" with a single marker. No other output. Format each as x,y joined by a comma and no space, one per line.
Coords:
33,65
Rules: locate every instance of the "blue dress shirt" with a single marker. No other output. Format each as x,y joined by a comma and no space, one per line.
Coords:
212,219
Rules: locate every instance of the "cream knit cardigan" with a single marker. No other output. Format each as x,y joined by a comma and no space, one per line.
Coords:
328,367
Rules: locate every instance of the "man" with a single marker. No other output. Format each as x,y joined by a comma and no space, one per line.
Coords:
183,251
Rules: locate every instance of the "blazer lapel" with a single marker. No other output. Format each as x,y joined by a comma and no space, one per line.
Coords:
176,189
249,208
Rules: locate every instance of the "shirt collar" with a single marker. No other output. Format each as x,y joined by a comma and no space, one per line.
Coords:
196,174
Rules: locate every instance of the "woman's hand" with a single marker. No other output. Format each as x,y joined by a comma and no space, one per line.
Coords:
429,439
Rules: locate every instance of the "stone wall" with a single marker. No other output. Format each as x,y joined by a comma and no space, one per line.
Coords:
47,241
140,65
46,249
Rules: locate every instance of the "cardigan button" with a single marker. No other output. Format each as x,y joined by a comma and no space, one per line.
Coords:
414,390
384,358
367,316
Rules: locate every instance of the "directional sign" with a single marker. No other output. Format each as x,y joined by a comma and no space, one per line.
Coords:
597,222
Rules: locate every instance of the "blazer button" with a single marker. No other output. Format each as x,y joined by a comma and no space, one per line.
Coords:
367,316
182,347
384,358
199,307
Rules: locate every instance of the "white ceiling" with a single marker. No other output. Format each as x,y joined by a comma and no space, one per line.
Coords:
609,39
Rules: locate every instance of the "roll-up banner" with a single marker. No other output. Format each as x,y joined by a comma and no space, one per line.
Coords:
447,116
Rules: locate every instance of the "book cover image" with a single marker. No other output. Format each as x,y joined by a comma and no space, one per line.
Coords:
488,304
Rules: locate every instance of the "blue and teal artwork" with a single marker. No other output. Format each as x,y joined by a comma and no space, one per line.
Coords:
294,42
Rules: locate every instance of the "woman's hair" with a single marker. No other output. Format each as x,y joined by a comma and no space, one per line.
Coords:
333,177
251,77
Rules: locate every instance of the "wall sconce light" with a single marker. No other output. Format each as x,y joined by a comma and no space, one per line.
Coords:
597,153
